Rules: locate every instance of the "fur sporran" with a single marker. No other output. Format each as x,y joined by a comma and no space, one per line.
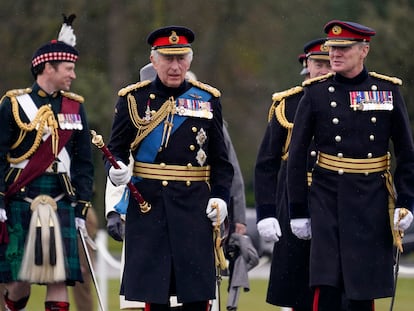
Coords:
43,259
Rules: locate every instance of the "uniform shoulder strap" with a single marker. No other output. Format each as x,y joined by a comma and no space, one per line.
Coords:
73,96
212,90
132,87
317,79
394,80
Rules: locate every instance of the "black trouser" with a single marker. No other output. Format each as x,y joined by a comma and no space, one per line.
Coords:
328,298
190,306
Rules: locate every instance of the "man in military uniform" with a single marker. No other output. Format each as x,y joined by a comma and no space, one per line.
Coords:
47,174
174,129
351,115
289,280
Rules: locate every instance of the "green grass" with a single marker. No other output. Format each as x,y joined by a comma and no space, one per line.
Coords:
254,300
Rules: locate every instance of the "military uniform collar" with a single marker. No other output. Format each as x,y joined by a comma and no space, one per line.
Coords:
36,89
170,91
356,80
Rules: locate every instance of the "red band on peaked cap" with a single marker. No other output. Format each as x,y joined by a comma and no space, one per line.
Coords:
178,36
343,30
316,46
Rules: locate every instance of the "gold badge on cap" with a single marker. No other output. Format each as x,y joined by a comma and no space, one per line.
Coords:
173,38
336,30
324,48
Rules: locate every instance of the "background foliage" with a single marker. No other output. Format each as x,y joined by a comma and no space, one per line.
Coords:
247,49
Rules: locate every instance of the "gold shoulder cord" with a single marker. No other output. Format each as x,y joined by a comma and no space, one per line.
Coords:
44,118
144,126
281,117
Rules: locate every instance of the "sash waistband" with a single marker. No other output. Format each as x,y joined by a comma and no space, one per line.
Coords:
55,167
351,165
162,171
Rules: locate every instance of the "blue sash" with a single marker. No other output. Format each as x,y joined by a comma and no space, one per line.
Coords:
148,148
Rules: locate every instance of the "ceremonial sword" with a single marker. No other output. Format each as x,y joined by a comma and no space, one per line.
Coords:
88,259
402,213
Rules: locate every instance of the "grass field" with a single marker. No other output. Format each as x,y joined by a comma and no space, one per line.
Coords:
249,301
254,300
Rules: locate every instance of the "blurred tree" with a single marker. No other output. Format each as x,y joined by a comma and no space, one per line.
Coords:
246,49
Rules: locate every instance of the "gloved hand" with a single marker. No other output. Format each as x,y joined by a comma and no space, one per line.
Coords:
120,176
403,221
301,227
269,229
114,226
81,225
211,211
3,215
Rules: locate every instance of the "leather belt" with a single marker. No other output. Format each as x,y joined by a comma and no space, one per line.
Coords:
351,165
162,171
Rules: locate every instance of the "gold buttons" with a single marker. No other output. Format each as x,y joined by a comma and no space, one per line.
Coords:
152,96
194,129
165,183
188,183
163,165
192,147
189,165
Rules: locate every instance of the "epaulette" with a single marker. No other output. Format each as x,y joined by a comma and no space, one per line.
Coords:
215,92
278,96
131,87
17,92
317,79
73,96
394,80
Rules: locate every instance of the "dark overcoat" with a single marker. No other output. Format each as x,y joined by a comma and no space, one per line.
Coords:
170,249
289,274
351,233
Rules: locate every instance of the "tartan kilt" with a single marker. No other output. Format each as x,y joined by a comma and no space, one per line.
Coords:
19,214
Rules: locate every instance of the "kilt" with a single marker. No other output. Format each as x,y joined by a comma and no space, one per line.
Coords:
19,214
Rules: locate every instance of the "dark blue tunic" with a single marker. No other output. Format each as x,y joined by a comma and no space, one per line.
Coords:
351,234
170,249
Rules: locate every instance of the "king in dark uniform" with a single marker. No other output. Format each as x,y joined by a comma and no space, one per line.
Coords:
351,211
174,129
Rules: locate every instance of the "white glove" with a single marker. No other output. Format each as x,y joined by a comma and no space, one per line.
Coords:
402,223
120,176
211,211
80,224
269,229
301,227
3,215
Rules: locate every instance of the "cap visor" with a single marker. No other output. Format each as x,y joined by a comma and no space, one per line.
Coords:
174,51
319,57
340,42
